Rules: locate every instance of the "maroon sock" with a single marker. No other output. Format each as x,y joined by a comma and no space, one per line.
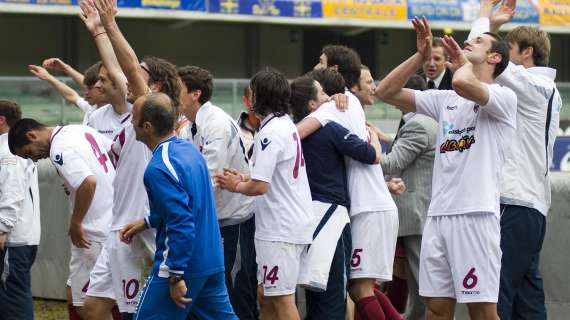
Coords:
369,309
116,313
73,315
398,293
389,310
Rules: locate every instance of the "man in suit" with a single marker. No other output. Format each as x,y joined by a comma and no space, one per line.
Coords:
437,75
411,157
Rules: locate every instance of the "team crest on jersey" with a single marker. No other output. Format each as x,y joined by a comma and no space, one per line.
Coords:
264,143
58,159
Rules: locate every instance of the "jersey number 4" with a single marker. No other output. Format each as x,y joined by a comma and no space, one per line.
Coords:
101,157
299,159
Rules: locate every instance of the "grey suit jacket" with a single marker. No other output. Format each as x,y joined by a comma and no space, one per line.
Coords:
411,158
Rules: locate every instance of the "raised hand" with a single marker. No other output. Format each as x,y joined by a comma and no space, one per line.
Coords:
503,14
456,56
54,64
423,37
39,72
107,11
90,17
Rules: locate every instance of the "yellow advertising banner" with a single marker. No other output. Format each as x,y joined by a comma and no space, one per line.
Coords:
172,4
365,9
554,12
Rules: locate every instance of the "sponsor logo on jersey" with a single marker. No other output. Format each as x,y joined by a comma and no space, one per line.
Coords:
451,145
451,108
58,159
264,143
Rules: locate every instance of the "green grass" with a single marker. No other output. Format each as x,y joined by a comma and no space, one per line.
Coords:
50,309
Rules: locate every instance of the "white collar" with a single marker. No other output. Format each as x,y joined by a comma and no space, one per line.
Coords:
201,114
545,71
437,81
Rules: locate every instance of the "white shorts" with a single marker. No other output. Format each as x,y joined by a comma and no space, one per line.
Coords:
461,257
119,272
374,236
317,259
278,265
80,266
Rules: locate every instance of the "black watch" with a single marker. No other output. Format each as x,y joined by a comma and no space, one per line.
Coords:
175,278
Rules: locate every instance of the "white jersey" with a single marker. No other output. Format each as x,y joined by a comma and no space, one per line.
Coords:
107,122
285,212
77,152
367,189
526,174
218,139
86,108
471,147
131,157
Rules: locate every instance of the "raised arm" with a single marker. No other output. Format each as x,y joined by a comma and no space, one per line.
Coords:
55,64
64,90
125,54
391,89
92,21
464,82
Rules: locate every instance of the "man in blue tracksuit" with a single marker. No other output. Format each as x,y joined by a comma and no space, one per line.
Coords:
188,270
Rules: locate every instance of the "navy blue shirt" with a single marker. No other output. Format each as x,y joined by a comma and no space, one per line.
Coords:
324,153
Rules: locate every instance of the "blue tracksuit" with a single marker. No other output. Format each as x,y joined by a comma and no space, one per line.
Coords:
188,238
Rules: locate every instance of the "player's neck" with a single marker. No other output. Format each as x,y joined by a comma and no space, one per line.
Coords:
484,73
154,141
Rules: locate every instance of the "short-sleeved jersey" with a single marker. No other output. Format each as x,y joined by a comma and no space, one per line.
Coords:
284,213
218,139
131,158
86,108
366,186
107,122
471,145
77,152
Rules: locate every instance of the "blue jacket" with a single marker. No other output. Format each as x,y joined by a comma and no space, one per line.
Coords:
324,153
182,210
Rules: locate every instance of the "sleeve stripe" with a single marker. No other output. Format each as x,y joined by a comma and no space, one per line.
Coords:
166,161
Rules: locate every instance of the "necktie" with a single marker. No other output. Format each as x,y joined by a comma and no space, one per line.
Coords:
431,84
193,130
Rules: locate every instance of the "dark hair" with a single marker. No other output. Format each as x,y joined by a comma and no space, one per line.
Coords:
347,61
330,79
163,72
416,82
11,111
498,45
17,135
159,111
302,90
196,78
91,74
437,42
271,93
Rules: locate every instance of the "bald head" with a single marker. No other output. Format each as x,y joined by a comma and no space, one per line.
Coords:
157,109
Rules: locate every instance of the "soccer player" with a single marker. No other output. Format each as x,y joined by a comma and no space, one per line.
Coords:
188,271
460,257
525,188
372,254
324,152
284,221
216,135
248,122
79,156
365,87
19,222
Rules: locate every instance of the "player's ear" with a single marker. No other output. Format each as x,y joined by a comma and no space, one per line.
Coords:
32,135
494,58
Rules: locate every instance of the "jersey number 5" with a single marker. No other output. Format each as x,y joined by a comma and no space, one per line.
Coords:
98,154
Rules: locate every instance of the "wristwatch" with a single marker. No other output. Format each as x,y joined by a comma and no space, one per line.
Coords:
175,278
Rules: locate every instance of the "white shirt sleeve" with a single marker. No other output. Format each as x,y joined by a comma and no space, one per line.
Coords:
215,141
70,166
502,104
83,105
478,27
430,102
325,113
268,152
13,186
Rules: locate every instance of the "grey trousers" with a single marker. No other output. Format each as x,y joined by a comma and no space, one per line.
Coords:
415,309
